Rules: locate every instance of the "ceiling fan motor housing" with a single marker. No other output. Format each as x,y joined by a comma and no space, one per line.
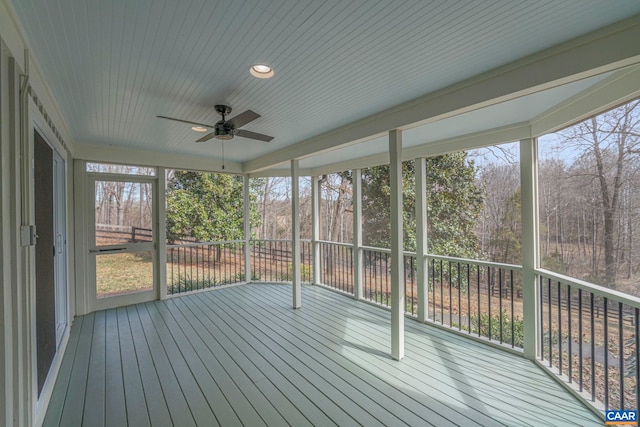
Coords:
224,131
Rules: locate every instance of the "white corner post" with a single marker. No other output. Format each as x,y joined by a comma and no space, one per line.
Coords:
295,234
357,233
397,256
315,229
161,210
529,206
421,239
247,228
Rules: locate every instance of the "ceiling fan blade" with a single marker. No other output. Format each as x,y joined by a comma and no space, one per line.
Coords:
207,137
253,135
243,118
186,121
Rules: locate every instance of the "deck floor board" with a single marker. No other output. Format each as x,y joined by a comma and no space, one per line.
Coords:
242,356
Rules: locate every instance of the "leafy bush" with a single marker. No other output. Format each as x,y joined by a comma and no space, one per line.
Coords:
481,324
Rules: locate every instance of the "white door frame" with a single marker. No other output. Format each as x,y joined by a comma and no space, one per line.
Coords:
61,212
94,251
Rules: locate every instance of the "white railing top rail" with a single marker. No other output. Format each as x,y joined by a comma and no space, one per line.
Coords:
374,249
198,244
477,262
602,291
350,245
278,240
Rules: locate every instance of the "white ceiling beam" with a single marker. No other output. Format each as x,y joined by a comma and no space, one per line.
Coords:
106,154
619,88
605,50
500,135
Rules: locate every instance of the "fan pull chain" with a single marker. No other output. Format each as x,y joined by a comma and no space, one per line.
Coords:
223,154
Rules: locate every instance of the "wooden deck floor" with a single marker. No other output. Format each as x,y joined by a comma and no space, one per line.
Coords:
242,356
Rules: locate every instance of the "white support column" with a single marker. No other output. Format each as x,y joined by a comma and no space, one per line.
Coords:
162,232
295,233
357,234
397,257
315,229
247,228
421,239
529,206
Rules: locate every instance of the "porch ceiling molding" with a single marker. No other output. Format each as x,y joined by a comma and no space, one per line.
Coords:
107,154
619,88
608,49
16,42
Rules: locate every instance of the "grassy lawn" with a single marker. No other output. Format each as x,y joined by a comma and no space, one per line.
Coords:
123,273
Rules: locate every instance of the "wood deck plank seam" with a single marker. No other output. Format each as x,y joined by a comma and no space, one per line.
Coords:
193,394
177,405
258,402
93,408
324,403
157,405
232,395
133,390
61,386
344,372
68,412
312,412
364,401
244,364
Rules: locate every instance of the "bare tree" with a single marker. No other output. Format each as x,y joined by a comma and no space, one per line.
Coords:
611,141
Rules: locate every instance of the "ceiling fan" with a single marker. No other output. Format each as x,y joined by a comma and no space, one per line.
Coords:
227,129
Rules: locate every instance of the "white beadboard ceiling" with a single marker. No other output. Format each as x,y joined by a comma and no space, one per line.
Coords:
113,65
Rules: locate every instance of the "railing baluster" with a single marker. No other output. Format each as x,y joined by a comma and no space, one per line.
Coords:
570,365
469,296
450,283
489,295
593,350
500,300
433,288
541,314
580,337
513,337
441,294
479,306
550,330
621,355
560,328
459,300
606,353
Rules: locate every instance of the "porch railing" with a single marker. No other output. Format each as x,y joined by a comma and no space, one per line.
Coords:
376,278
336,265
481,298
196,266
272,261
587,333
588,336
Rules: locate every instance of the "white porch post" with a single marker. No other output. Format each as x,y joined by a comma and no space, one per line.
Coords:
397,258
529,206
247,228
315,229
295,234
162,231
421,239
357,233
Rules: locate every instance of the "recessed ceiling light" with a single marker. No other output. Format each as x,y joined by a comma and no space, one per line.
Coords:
199,128
261,71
